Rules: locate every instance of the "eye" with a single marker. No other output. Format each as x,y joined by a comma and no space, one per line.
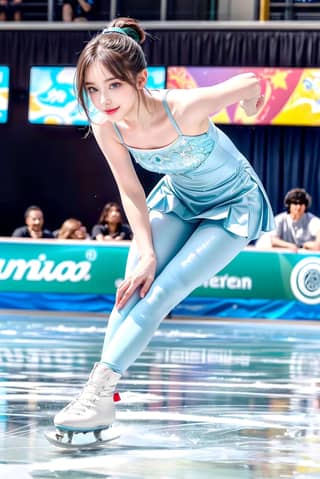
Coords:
114,85
91,89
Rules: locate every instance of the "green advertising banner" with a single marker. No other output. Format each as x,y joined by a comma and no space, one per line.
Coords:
94,268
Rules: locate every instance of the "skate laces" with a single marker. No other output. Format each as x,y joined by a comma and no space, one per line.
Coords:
90,394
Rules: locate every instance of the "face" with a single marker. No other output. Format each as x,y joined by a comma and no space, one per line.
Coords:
297,210
34,220
113,97
113,215
80,233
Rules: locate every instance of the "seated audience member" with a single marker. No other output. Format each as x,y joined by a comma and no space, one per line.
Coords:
10,10
297,228
110,226
77,10
72,229
34,225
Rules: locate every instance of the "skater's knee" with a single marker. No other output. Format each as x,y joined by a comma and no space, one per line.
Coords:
164,296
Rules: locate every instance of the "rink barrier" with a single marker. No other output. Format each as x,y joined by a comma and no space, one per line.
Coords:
84,276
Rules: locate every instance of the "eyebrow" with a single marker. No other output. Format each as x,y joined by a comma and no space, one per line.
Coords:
106,80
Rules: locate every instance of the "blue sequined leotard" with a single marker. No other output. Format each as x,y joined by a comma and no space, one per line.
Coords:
206,177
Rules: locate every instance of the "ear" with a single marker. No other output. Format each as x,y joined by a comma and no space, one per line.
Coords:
142,79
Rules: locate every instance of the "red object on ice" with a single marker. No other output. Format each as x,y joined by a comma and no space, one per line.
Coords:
116,397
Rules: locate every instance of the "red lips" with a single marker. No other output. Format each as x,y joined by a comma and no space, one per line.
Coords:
112,111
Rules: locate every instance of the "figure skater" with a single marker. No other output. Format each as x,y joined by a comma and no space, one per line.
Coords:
206,208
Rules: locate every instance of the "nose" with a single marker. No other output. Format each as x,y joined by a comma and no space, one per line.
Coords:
104,99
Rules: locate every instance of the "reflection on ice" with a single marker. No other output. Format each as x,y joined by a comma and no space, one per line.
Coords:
205,400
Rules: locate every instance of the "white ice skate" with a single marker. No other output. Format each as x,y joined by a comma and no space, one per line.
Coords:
92,412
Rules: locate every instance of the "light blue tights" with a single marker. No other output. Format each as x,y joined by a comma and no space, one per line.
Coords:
188,254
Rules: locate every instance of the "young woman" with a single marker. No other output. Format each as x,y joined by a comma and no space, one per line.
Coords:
202,213
110,226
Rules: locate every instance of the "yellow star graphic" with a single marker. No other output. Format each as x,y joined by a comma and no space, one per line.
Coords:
278,80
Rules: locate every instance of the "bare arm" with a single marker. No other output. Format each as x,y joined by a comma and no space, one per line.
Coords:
134,203
85,5
200,103
277,242
313,245
99,237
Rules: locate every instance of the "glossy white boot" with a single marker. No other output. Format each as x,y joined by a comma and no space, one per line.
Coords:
93,409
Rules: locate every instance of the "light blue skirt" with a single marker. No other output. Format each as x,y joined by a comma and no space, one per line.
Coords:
224,187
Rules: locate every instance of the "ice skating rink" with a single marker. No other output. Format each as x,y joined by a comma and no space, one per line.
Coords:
207,399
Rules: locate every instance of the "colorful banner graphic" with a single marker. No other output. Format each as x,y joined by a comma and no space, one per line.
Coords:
52,98
292,95
95,268
4,93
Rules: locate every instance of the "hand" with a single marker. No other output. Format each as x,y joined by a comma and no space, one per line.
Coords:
292,247
311,245
252,106
142,276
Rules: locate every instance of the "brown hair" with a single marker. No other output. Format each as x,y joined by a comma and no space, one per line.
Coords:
120,53
298,195
105,211
68,228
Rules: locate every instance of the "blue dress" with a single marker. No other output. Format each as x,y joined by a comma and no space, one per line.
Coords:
206,177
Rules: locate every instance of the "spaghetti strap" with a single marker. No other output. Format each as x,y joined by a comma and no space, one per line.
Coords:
170,115
118,132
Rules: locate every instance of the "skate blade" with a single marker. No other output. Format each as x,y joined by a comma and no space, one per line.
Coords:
81,441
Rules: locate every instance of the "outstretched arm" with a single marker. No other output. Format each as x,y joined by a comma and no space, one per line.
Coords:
134,203
200,103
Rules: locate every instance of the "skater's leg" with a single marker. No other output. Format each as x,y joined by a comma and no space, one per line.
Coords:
208,250
169,234
87,411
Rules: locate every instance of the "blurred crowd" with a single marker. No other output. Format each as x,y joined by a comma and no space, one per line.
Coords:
109,227
296,228
66,10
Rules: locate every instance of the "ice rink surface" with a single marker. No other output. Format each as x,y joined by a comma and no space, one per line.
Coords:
207,399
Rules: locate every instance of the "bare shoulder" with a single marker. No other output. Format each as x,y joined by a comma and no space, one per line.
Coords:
107,138
104,128
186,109
178,98
114,151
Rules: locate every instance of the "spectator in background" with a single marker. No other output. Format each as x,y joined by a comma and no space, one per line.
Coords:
77,10
296,228
34,225
110,226
10,10
72,229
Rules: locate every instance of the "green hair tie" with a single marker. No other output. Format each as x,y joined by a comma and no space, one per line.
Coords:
130,32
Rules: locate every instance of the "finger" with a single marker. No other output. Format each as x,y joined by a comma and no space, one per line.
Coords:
125,294
121,291
145,287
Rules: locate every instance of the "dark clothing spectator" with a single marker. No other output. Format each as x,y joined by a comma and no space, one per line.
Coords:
34,225
10,10
123,232
77,10
110,226
23,232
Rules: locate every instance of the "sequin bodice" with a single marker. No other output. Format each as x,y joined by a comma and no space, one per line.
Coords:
183,155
